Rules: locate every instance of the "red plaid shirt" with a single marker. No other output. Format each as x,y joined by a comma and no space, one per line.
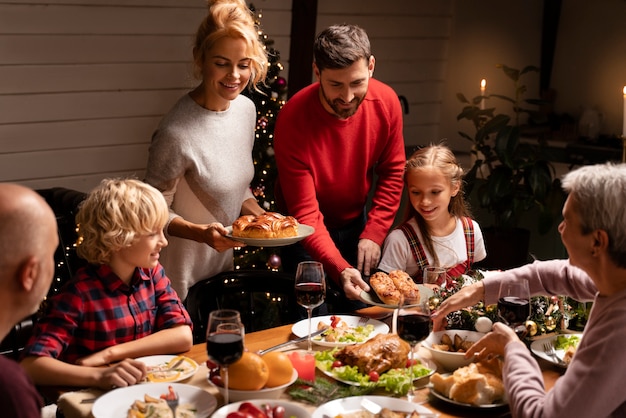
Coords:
96,310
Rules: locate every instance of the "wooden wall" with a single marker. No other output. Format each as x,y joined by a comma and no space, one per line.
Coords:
83,83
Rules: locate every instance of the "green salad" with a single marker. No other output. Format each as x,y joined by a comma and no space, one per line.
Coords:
563,342
348,335
396,381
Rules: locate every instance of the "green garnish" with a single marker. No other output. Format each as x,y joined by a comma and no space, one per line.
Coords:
323,390
563,342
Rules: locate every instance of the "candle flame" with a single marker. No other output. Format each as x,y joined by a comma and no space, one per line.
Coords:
624,89
483,84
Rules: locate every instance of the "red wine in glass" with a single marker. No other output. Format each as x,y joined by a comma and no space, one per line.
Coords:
513,310
309,295
225,348
414,328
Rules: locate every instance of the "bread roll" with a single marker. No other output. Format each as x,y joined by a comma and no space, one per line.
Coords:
476,384
267,225
405,284
385,288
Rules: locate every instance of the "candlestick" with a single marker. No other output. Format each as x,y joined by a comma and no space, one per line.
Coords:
624,118
483,87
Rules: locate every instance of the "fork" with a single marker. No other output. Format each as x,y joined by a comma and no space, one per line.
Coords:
362,321
548,348
173,404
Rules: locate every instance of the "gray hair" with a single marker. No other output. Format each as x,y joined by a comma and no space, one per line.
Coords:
600,193
340,46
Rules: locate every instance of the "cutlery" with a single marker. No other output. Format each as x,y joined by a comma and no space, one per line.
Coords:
290,342
175,365
548,348
374,408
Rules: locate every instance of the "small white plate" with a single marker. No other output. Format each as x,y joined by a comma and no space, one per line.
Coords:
116,403
301,328
303,232
291,409
371,298
537,348
353,404
187,368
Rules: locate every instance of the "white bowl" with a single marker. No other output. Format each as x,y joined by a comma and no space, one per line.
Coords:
265,393
447,359
291,409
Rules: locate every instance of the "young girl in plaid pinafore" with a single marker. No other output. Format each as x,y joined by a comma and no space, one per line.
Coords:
437,230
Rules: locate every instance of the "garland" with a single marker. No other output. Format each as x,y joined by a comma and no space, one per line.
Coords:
548,313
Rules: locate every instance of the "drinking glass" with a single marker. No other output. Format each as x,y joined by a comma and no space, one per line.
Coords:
514,305
435,275
310,288
413,326
224,343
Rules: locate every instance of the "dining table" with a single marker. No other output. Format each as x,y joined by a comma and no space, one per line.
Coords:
259,340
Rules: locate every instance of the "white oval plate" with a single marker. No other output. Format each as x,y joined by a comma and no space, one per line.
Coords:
189,365
301,328
449,401
371,298
428,363
303,232
291,409
353,404
116,403
537,348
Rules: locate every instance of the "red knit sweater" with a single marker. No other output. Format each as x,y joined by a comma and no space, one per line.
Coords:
326,167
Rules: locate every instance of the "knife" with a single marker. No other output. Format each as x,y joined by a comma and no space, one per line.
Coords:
290,342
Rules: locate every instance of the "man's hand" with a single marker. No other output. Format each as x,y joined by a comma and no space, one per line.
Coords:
493,343
352,283
368,256
466,297
127,372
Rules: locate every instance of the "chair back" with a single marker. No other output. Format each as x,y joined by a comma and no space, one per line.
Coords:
264,298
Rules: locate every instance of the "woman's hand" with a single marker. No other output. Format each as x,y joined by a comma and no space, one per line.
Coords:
466,297
214,234
493,343
127,372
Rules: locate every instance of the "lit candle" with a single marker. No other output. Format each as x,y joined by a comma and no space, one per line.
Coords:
624,118
483,87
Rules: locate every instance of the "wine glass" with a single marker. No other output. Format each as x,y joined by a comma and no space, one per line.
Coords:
436,275
514,305
413,326
224,343
310,288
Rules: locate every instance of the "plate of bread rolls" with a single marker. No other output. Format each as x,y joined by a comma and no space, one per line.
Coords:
270,229
388,290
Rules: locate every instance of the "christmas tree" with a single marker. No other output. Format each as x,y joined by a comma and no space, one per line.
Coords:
269,100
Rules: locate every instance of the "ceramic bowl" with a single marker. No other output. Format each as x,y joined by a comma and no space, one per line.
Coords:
292,409
448,360
265,393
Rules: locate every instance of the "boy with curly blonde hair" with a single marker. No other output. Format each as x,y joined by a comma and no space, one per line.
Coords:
119,307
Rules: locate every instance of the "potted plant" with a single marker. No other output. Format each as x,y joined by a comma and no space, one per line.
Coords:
510,178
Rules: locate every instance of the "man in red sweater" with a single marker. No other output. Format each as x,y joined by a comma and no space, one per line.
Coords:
330,139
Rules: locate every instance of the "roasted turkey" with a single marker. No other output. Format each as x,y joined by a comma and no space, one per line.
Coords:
381,353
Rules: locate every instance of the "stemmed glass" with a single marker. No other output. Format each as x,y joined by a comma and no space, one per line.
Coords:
514,305
224,343
413,326
435,275
310,288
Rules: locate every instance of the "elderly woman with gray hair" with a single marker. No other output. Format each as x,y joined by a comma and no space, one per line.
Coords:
593,231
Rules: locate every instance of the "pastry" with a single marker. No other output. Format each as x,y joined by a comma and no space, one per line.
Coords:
395,287
266,225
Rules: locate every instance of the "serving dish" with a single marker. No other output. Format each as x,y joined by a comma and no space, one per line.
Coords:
116,403
292,409
265,393
449,401
449,360
156,364
537,348
352,404
303,232
371,298
301,328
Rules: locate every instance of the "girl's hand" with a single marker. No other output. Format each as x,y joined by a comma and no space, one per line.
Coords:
128,372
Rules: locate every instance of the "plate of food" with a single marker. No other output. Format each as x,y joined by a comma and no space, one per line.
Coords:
122,402
565,346
342,329
351,407
258,408
381,362
390,290
166,368
303,232
477,385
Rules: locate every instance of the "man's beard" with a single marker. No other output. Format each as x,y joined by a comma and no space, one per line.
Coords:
339,111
